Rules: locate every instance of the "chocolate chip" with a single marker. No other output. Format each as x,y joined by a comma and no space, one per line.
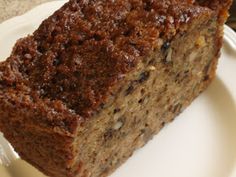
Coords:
102,105
14,85
140,101
206,78
40,49
151,62
116,110
142,91
97,37
61,76
77,74
165,46
207,68
129,90
80,42
73,86
178,77
142,131
144,76
186,72
127,32
163,124
56,62
148,6
108,135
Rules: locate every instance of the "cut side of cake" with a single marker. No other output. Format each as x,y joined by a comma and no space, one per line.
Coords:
99,78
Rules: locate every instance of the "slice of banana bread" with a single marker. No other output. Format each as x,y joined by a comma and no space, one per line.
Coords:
99,78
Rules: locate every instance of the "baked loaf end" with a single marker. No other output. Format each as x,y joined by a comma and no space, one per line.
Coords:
98,79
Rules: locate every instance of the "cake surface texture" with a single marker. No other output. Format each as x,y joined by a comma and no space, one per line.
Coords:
99,78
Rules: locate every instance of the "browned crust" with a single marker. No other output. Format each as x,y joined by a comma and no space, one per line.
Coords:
221,7
78,54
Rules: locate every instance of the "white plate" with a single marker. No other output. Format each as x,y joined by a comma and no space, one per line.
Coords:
201,142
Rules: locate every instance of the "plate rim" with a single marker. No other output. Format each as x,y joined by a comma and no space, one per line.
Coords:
229,37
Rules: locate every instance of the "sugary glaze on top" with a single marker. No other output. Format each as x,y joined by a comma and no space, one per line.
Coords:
70,64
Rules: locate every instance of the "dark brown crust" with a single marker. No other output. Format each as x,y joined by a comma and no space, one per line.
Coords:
78,54
221,7
86,47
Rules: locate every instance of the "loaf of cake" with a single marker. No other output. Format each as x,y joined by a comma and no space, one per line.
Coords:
99,78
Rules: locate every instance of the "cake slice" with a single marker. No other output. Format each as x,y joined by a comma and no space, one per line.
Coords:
99,78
